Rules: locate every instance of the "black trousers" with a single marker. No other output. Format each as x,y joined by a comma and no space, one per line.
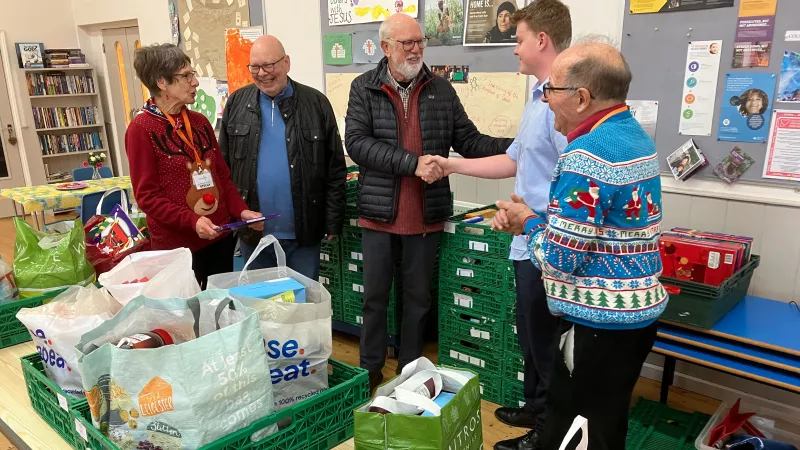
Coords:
536,331
213,259
418,255
607,364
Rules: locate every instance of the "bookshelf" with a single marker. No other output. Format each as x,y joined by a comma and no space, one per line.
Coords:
68,116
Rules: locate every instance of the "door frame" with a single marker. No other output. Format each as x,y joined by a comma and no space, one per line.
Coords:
17,120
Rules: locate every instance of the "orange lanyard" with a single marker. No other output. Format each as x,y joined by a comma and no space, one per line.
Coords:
190,141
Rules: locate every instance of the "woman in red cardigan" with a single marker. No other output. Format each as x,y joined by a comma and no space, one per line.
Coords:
179,178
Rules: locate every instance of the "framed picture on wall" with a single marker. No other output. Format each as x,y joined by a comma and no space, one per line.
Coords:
30,55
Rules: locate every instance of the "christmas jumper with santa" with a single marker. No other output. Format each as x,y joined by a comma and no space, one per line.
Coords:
171,186
597,244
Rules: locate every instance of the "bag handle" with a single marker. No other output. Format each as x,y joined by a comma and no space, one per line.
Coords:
580,423
280,257
194,306
123,200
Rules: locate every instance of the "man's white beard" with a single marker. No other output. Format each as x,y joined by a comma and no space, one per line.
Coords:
409,71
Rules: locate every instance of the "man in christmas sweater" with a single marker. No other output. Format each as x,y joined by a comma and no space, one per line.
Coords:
597,252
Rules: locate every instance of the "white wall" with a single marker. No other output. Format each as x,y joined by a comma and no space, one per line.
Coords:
23,21
302,43
152,16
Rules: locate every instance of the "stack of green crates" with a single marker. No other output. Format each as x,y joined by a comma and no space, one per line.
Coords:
330,273
477,306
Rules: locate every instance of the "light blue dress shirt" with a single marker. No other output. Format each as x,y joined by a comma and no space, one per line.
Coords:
536,150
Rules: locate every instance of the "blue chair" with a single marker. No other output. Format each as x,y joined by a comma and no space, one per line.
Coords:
85,173
89,204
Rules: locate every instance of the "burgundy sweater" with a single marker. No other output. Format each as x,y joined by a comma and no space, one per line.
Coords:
162,182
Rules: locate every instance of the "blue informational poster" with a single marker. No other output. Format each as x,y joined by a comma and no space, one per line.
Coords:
746,107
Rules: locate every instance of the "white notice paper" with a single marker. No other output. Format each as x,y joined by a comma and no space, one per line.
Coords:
189,5
186,17
242,3
646,113
792,35
197,52
188,45
783,147
187,34
238,19
196,37
700,88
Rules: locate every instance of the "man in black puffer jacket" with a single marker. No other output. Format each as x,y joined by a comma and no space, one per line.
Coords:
399,116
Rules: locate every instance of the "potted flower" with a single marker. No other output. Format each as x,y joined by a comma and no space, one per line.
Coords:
95,160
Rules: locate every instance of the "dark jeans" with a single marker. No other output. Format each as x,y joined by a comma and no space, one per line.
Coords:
607,364
213,259
536,331
418,254
304,260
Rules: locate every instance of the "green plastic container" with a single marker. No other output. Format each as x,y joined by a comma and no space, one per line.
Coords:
318,423
56,407
331,277
12,331
514,368
475,239
330,252
513,394
702,305
353,312
337,305
491,384
458,267
486,300
459,323
351,251
655,426
472,355
511,339
352,233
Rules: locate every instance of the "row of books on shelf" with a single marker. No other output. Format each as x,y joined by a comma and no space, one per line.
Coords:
58,83
64,117
67,57
69,143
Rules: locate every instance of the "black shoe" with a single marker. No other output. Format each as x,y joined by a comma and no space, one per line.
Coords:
515,417
528,442
375,379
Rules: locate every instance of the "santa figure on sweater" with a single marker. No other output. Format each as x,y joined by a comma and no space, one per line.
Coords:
652,208
586,199
634,206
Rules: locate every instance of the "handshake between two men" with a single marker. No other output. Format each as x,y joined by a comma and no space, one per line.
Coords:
511,215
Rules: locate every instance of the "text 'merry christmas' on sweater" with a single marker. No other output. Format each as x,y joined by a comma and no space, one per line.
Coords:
598,247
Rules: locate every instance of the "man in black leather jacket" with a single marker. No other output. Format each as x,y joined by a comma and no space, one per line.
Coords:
282,144
399,116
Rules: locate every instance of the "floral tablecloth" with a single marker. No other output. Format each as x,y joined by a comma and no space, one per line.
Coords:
47,197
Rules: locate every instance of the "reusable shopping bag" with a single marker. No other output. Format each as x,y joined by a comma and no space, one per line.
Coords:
582,424
457,426
8,287
297,335
212,381
153,274
56,327
110,238
45,262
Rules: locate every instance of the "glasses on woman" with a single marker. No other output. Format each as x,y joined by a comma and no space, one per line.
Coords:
188,77
266,67
409,45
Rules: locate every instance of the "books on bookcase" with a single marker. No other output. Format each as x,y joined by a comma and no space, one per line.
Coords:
64,57
60,117
41,84
56,144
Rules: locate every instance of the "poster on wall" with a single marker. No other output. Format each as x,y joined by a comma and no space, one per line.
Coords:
349,12
783,150
660,6
238,42
700,88
488,22
366,47
205,101
754,32
646,113
744,114
789,86
337,49
444,22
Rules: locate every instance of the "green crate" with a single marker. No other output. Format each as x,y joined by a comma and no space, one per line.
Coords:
655,426
331,277
351,233
514,368
52,404
353,303
491,384
511,339
475,239
702,305
488,272
330,252
513,394
12,331
351,250
473,355
317,423
458,323
337,307
489,301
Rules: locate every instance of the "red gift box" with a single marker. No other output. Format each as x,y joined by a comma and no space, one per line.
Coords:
701,260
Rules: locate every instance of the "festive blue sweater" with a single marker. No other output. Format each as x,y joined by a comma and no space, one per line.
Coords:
598,246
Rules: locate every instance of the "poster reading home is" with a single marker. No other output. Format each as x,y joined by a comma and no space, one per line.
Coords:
659,6
488,22
348,12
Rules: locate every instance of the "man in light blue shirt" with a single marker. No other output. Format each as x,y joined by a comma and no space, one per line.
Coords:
544,29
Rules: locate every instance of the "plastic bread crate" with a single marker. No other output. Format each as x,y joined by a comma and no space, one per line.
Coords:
330,277
457,324
487,272
51,403
702,305
513,394
514,368
488,301
473,355
511,339
320,422
337,305
475,238
354,316
351,233
12,331
491,384
351,250
655,426
330,252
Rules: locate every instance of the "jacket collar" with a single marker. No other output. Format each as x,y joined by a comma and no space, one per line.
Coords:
151,108
378,76
595,120
253,94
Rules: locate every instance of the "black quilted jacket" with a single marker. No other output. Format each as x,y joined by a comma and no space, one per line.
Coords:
372,133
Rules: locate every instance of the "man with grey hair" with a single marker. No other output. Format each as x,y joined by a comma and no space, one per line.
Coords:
399,116
596,246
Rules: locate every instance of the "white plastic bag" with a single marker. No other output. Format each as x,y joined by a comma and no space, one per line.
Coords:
580,423
168,274
297,335
57,326
8,287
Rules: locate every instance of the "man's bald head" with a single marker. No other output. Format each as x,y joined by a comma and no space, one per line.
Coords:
269,65
268,47
599,68
397,26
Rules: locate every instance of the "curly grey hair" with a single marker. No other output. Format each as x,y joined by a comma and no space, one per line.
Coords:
158,61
